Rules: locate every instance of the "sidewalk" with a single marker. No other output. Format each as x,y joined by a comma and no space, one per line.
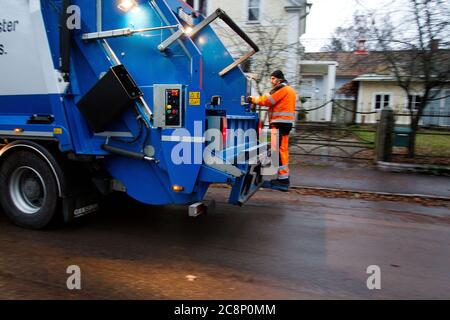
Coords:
368,179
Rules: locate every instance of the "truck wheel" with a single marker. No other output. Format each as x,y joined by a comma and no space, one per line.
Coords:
28,190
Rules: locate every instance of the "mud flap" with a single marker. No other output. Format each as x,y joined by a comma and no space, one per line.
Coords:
80,205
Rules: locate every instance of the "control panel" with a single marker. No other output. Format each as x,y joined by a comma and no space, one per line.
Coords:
168,105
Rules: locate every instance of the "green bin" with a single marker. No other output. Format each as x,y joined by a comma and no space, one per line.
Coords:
402,136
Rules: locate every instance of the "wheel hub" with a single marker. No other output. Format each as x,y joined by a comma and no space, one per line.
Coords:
27,189
31,188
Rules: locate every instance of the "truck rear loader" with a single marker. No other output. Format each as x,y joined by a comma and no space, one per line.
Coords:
99,96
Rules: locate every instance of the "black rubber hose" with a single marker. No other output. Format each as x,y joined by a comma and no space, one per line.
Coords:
65,39
124,153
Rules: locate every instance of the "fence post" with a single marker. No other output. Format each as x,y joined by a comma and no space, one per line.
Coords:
383,146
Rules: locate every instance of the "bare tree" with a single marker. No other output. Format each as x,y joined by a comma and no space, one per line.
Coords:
345,38
411,51
275,50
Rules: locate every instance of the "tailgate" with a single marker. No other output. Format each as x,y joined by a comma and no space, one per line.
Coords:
249,176
241,156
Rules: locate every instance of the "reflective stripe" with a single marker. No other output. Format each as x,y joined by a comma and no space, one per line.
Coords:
282,121
284,114
114,134
27,133
283,176
281,168
271,99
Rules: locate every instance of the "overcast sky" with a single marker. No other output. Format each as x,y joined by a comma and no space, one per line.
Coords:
326,15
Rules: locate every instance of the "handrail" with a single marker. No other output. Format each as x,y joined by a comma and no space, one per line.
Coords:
122,32
219,13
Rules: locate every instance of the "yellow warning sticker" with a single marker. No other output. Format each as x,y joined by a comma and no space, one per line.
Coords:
57,131
194,98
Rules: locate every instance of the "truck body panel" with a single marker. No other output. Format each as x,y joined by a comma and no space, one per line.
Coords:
39,100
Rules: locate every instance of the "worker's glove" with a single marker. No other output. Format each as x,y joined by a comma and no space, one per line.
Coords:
250,99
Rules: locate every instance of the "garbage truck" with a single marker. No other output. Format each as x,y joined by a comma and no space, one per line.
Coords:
101,96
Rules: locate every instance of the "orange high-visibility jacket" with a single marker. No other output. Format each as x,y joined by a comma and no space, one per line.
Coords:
281,102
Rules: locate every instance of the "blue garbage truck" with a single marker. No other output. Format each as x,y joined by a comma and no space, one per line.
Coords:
101,96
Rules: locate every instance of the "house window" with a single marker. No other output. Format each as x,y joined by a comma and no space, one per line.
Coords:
382,101
202,6
414,101
198,5
253,10
308,88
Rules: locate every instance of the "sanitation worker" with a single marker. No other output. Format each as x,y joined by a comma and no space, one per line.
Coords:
281,102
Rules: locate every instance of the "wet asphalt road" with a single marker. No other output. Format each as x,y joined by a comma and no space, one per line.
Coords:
278,246
350,177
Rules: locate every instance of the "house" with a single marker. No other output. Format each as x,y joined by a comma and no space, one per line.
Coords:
374,88
323,73
378,91
284,20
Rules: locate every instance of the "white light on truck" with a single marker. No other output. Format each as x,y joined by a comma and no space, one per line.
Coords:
127,5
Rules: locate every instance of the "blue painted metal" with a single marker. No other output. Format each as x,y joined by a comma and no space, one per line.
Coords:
193,63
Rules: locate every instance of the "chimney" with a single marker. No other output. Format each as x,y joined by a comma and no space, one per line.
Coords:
434,44
361,47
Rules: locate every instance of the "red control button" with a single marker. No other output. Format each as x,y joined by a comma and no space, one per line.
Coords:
175,93
174,111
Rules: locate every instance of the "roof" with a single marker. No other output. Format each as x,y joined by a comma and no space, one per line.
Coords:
374,77
350,64
374,63
295,5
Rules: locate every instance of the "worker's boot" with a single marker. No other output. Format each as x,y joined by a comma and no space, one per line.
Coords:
280,184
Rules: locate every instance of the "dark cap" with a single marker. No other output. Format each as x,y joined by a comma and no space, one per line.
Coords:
278,74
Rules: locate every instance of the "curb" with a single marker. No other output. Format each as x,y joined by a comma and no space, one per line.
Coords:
406,195
414,168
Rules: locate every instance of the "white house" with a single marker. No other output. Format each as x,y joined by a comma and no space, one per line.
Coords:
286,17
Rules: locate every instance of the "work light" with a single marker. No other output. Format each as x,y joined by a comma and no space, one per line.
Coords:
127,5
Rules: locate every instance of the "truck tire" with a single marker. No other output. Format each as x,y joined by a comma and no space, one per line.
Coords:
28,190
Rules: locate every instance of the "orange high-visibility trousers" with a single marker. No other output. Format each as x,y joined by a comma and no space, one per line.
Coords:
283,170
281,135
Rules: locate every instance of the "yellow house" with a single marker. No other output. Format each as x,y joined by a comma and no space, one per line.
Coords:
368,81
377,91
